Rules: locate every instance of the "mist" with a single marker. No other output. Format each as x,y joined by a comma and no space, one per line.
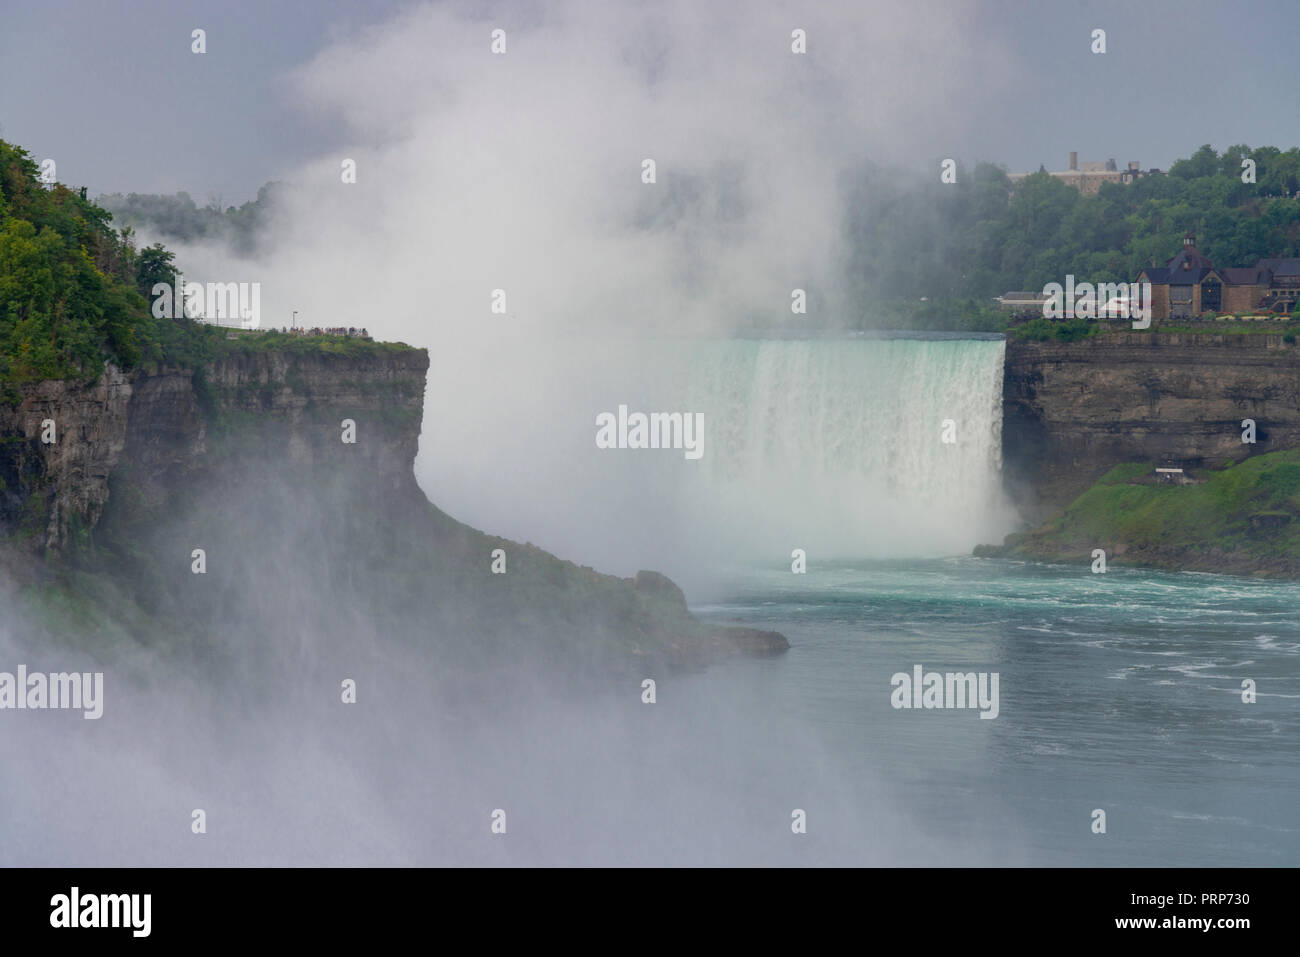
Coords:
412,773
522,172
502,217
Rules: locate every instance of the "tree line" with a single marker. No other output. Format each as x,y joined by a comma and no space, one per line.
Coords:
959,245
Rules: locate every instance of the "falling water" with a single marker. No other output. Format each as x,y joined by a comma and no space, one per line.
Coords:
835,446
864,448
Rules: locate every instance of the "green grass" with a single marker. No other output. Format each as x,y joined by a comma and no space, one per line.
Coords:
1213,515
1067,330
200,345
249,343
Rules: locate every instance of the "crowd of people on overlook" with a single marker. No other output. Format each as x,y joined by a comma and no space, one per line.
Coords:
350,331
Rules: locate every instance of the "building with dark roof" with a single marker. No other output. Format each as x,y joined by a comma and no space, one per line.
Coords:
1190,285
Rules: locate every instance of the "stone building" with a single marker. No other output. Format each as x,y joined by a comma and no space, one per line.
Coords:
1088,177
1189,285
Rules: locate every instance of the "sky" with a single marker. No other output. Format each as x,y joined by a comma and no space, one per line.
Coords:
112,91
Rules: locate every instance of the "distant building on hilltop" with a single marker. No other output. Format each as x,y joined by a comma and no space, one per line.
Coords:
1021,301
1189,285
1088,177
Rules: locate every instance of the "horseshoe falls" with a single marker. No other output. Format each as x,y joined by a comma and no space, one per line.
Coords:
1117,691
859,448
850,448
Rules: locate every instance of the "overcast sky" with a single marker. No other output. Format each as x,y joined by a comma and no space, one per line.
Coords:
111,90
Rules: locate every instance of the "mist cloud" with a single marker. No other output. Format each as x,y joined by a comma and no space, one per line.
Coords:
522,172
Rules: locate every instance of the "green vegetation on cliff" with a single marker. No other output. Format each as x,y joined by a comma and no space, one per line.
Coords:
1241,518
1061,330
73,291
67,282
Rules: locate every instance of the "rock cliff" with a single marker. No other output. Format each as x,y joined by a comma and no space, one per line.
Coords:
160,423
1072,411
289,470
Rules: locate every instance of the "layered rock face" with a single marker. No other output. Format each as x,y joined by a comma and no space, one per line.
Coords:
289,475
159,423
57,449
1072,411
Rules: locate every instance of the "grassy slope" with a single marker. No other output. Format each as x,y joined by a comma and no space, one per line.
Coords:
1207,527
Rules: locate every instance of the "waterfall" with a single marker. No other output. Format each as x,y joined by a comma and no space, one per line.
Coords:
840,443
834,446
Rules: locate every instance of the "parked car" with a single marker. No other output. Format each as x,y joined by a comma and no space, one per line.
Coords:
1121,307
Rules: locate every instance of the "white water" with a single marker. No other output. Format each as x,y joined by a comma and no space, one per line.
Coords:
832,446
838,446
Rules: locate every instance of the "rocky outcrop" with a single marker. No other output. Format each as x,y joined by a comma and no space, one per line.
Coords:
655,585
305,535
160,424
58,446
1072,411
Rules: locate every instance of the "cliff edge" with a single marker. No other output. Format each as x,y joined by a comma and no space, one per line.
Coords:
272,491
1072,411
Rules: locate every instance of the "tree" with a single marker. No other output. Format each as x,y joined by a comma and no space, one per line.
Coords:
154,264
